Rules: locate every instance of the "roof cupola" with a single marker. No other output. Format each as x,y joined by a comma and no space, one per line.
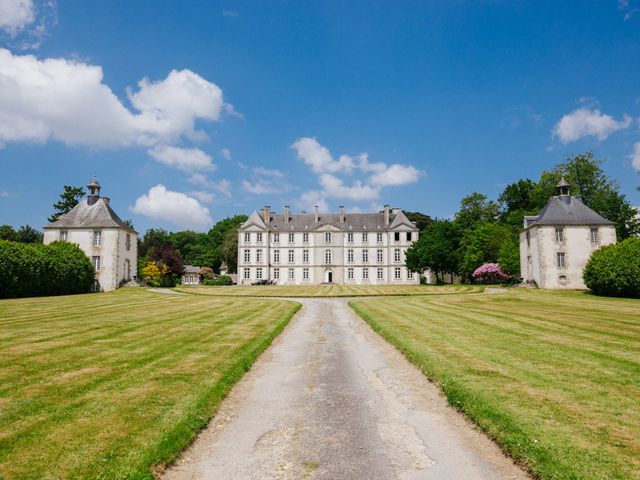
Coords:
563,187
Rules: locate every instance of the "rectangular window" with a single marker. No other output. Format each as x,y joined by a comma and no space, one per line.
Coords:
365,273
408,236
350,273
247,273
350,255
64,235
247,237
396,255
365,237
276,256
528,239
327,256
258,256
291,274
96,263
327,237
97,238
379,237
365,256
259,273
561,262
409,275
127,242
276,238
305,237
305,256
397,273
259,237
276,273
396,236
380,256
291,255
350,237
380,274
559,235
305,273
247,256
292,237
594,235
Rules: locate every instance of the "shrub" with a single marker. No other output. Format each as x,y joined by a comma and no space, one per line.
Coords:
158,275
220,280
28,270
614,270
491,273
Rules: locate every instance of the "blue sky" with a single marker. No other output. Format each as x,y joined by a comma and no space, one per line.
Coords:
189,112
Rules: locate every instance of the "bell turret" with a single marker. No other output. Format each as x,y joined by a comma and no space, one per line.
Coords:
563,187
94,191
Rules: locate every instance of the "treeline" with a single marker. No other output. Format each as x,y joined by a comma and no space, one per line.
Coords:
28,270
486,231
25,234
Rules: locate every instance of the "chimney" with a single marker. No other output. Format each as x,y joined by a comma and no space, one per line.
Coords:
341,214
386,215
286,213
266,214
316,210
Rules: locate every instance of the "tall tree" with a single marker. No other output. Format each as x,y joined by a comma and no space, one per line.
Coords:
482,245
218,237
437,248
7,232
229,250
474,209
28,234
69,198
421,220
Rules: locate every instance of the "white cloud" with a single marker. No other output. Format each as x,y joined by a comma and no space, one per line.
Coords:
319,157
65,100
175,207
186,159
310,199
221,186
635,157
260,187
15,15
334,187
268,172
230,13
396,174
226,153
585,122
205,197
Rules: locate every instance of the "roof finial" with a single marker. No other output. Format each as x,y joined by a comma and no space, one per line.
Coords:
563,187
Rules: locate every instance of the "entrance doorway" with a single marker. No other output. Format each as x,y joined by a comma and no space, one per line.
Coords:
328,276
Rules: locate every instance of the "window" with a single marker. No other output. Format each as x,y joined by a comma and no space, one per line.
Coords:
291,256
259,237
408,236
594,235
276,273
247,273
97,238
561,262
350,255
247,255
365,237
528,239
396,236
127,242
365,273
350,273
397,273
96,286
64,235
327,237
276,256
96,263
327,256
365,256
559,235
350,237
379,237
380,274
292,237
305,256
409,275
276,238
305,237
247,237
305,274
291,274
380,256
396,255
259,273
259,256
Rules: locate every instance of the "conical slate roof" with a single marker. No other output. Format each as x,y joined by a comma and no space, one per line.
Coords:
95,215
567,210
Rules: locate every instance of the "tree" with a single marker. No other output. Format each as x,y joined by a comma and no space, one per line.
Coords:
491,273
437,248
28,234
509,256
614,270
219,236
69,198
474,209
518,196
229,250
421,220
482,245
168,256
7,233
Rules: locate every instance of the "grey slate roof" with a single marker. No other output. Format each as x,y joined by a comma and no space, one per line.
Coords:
567,210
97,215
191,269
300,222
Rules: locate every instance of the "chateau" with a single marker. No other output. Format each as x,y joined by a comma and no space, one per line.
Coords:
110,243
556,244
314,248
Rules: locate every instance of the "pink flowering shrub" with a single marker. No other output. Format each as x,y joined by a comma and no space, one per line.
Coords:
491,273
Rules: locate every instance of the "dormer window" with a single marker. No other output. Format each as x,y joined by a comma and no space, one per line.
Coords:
64,234
97,238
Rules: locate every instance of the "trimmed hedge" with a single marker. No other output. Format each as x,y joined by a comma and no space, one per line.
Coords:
29,270
614,270
219,280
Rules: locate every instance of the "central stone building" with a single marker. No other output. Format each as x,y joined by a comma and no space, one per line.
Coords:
313,248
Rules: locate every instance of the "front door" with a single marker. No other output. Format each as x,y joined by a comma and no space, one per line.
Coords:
328,276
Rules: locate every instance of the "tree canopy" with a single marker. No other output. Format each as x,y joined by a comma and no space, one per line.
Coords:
69,198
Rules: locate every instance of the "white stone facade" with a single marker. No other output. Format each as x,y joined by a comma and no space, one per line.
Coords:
311,249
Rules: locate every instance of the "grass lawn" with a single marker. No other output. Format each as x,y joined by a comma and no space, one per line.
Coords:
329,290
108,385
554,377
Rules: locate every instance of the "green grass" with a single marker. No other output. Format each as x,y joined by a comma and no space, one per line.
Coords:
554,377
110,385
300,291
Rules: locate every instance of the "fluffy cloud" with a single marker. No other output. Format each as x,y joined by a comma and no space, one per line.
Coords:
64,100
396,174
175,207
334,187
319,158
635,157
311,199
585,122
15,15
186,159
260,187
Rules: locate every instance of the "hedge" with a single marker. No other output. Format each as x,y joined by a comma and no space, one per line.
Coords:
614,270
29,270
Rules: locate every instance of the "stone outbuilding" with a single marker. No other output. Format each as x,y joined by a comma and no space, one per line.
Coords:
191,275
556,244
110,244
